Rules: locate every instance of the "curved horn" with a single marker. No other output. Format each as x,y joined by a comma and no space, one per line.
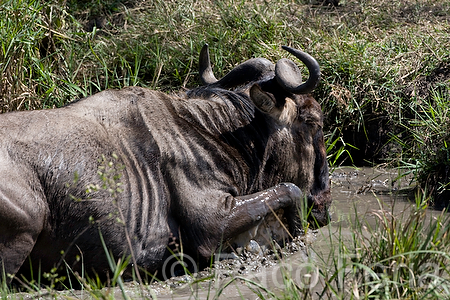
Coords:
251,70
289,77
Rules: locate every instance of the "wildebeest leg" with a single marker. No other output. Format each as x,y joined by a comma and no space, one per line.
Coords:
14,249
22,214
238,214
250,209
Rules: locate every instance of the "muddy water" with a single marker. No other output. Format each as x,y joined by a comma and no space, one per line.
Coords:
354,191
361,191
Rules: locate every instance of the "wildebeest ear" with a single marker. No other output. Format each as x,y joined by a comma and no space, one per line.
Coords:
264,101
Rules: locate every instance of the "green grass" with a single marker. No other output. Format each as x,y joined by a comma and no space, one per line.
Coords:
401,257
426,144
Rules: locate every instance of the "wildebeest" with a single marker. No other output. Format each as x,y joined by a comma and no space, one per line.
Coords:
197,168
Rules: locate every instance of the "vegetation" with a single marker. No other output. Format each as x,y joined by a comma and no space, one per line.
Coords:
402,256
385,87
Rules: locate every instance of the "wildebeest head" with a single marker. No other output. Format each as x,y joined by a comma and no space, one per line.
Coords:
279,93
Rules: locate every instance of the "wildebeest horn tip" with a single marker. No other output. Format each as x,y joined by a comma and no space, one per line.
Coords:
284,75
